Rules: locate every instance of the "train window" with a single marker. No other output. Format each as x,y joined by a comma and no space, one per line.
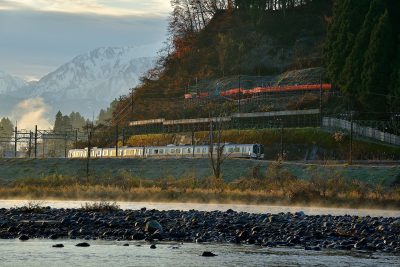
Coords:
231,149
237,149
105,153
172,150
178,151
189,150
198,150
204,150
161,151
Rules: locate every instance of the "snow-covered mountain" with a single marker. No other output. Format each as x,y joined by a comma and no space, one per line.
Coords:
9,84
102,74
87,83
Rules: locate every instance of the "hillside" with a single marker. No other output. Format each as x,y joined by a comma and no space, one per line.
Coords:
233,42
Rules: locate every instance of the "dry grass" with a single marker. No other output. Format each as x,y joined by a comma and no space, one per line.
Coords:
276,185
101,206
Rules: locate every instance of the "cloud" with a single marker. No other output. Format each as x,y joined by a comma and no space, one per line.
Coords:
99,7
31,112
33,43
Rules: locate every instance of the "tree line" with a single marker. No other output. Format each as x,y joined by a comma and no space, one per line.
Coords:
362,53
193,15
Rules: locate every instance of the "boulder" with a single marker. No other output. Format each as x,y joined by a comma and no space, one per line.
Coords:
152,226
208,254
83,244
23,237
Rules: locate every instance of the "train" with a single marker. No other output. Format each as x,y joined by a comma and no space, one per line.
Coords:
252,151
259,90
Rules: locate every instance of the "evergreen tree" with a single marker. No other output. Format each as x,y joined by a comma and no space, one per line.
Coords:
378,66
348,16
62,123
395,82
6,128
77,120
350,79
58,122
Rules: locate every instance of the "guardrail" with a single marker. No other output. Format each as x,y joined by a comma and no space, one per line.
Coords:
227,118
369,132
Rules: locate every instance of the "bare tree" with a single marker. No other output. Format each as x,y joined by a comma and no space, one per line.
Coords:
216,147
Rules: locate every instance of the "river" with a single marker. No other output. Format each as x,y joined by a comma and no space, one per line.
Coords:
103,253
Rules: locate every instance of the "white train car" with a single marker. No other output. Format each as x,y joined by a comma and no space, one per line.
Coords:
255,151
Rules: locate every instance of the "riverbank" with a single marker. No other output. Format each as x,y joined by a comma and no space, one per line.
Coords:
201,196
152,169
310,232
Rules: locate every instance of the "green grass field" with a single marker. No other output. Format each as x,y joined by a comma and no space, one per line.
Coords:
12,169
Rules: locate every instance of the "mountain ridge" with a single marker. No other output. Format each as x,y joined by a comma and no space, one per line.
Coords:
87,83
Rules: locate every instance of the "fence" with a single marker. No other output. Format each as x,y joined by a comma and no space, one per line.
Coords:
369,132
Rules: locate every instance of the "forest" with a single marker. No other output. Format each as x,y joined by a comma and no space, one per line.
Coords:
355,42
362,54
214,39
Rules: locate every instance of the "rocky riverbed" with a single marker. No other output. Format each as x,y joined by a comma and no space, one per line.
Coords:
314,232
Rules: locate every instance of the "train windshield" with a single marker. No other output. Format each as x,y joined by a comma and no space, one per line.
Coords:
258,149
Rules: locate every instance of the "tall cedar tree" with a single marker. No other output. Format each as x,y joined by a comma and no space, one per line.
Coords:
350,79
378,66
395,82
348,16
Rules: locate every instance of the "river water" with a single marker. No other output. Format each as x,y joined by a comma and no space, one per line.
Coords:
103,253
39,252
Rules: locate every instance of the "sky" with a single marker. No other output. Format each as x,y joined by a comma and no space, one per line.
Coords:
38,36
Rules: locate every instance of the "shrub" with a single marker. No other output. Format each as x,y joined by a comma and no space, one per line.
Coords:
101,206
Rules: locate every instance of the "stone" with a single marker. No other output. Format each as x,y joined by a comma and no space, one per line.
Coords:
23,237
208,254
152,226
83,244
58,246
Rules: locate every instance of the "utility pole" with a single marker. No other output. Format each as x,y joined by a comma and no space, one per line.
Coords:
320,101
131,103
351,139
88,152
281,139
193,143
30,144
76,138
65,145
36,136
239,95
15,140
116,140
123,136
